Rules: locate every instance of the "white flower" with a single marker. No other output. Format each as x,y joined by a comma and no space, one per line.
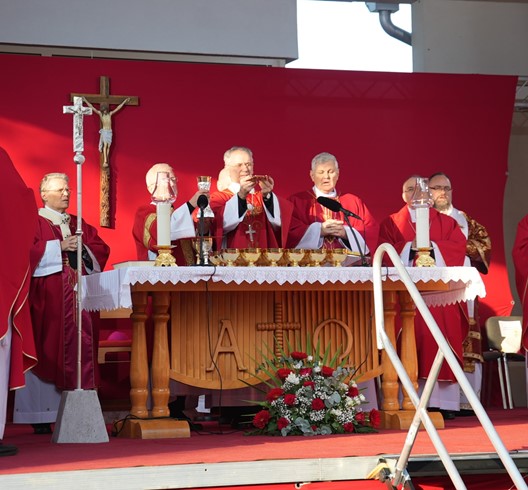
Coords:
293,379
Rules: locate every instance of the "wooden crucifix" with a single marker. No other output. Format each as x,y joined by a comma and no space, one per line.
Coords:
105,113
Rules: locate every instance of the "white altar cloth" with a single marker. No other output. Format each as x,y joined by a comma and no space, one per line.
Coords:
112,289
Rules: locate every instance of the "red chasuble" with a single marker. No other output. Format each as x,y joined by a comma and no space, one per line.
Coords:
18,213
255,224
53,312
520,260
306,210
145,232
397,230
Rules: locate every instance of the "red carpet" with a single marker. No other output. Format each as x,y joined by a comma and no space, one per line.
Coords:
463,435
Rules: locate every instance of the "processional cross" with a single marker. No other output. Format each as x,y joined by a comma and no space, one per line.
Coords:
105,101
78,112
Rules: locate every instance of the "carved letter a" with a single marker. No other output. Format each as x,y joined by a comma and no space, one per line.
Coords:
227,329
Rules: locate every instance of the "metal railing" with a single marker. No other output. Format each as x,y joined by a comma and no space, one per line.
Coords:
420,403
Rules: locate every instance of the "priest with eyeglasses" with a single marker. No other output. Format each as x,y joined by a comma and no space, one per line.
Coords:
53,306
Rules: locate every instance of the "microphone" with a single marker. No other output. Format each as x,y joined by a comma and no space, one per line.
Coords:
202,202
335,206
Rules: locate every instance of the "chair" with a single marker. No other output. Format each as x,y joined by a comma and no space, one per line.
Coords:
504,342
116,342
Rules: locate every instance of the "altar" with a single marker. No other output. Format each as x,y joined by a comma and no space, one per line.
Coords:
224,320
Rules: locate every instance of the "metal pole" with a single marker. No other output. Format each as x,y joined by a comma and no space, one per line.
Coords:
79,160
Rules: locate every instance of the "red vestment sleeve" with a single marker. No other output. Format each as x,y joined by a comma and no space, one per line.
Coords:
18,216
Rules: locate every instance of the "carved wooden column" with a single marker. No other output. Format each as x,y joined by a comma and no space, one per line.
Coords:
389,384
160,354
139,370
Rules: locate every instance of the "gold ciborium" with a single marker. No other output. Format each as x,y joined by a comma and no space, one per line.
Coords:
274,255
251,255
230,255
318,256
207,244
296,255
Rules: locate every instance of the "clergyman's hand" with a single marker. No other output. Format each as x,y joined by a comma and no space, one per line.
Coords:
333,227
246,184
193,201
69,244
266,185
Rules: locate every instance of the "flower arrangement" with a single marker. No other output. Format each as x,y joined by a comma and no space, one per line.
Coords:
308,397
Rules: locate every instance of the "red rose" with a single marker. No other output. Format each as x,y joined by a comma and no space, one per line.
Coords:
352,391
283,373
261,419
327,372
282,423
299,356
360,417
311,384
289,399
375,418
317,404
274,394
305,371
348,427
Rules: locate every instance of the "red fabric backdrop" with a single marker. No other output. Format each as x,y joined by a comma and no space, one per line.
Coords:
382,127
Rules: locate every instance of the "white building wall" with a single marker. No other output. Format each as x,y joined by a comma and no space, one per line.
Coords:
264,29
467,36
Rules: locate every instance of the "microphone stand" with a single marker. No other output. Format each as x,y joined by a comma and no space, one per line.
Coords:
201,233
364,262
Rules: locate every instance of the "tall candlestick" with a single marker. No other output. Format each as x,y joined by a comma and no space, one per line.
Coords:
422,227
163,212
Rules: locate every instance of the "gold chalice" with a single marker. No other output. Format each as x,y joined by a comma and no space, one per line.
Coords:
230,255
296,255
274,255
339,255
251,255
318,256
207,245
216,259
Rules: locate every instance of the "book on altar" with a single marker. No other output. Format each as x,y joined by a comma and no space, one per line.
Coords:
133,263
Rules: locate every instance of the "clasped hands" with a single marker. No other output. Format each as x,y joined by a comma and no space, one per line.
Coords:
333,227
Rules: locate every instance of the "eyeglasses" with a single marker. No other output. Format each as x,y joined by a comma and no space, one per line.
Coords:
60,191
445,188
241,164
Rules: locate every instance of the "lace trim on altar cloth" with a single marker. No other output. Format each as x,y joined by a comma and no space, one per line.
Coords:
111,290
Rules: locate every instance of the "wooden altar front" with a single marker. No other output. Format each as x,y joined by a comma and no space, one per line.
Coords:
222,322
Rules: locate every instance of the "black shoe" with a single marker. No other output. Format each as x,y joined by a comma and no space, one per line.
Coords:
448,414
41,428
464,412
8,450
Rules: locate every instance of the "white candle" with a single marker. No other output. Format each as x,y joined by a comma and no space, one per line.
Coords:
163,210
422,227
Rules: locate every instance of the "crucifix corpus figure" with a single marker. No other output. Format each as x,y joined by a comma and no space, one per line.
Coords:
105,101
105,140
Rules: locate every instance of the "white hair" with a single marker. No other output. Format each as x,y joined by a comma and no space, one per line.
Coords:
323,158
